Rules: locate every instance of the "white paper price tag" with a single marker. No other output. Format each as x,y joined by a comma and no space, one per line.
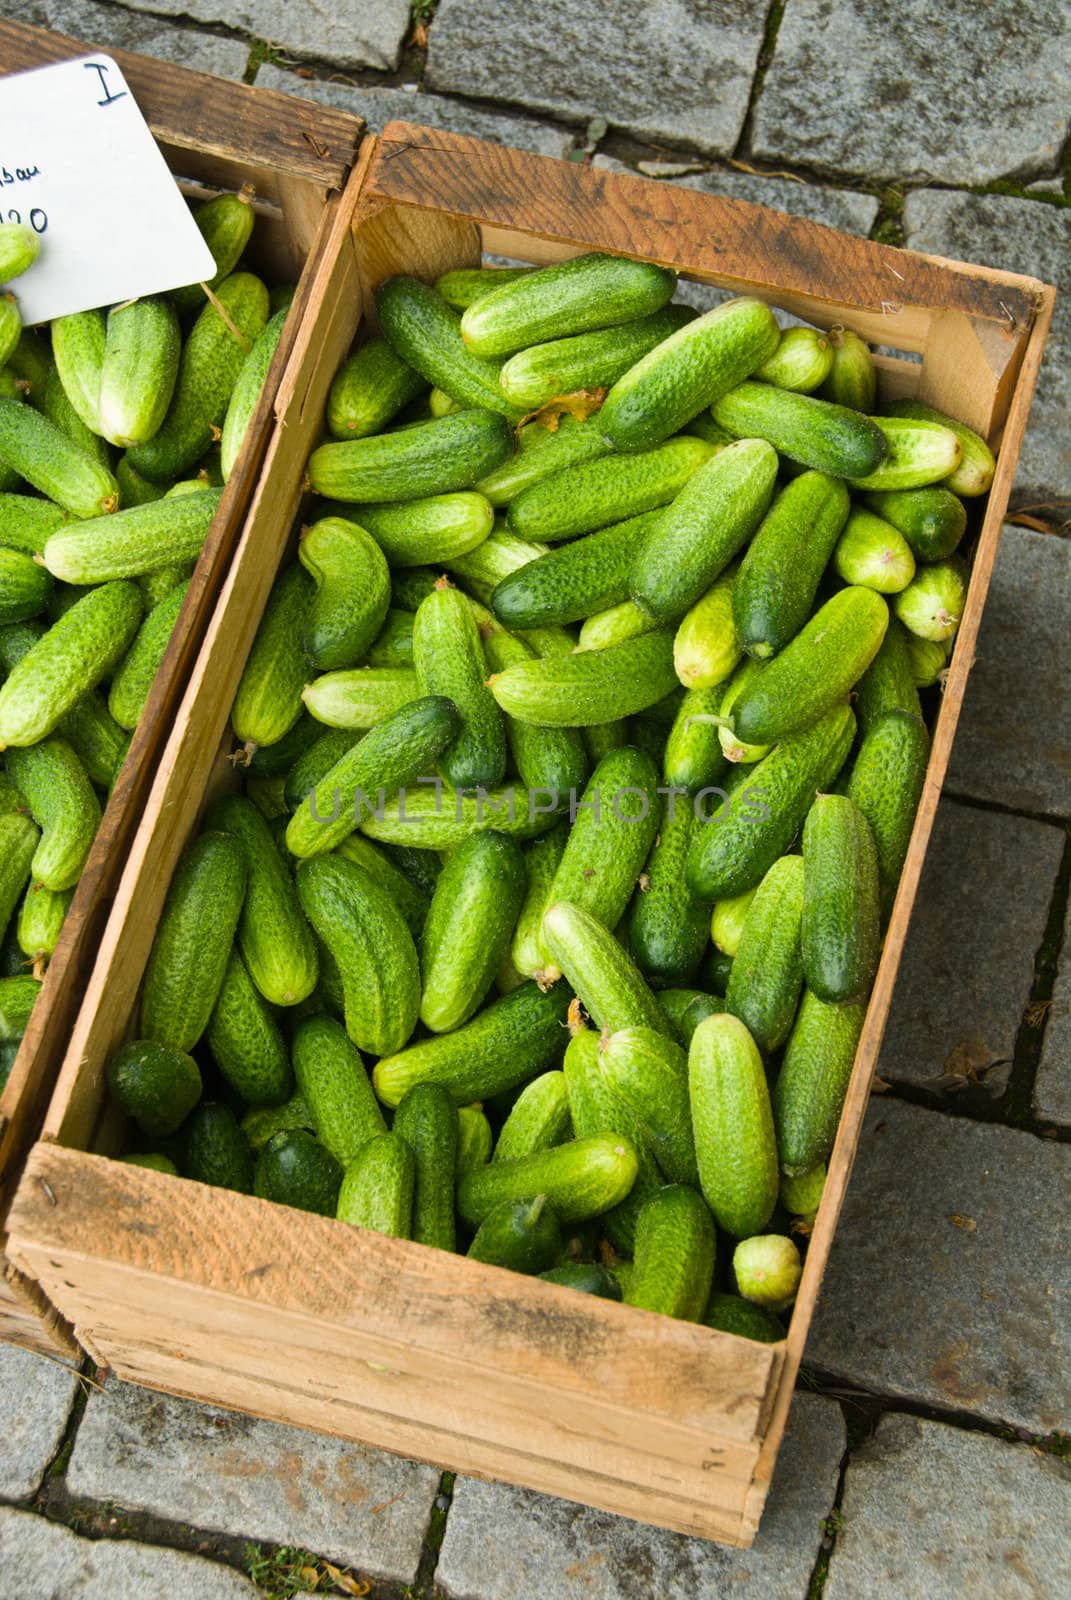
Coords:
79,165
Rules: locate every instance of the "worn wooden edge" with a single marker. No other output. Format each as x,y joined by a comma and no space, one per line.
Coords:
193,111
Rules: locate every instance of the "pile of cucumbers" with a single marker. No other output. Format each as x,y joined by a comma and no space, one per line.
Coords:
111,462
578,753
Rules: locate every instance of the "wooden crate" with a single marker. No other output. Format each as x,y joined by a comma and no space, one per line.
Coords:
215,136
232,1300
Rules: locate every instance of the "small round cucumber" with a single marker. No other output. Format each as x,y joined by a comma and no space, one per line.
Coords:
802,361
933,520
872,553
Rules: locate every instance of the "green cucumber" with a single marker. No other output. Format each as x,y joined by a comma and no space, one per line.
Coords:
40,923
269,697
585,1276
697,536
693,757
314,764
731,1313
370,387
19,838
667,925
226,224
733,854
929,659
705,646
870,552
675,1251
474,1140
360,697
427,1120
974,474
39,452
10,327
377,1189
541,862
131,684
595,1113
933,520
649,1074
62,802
78,342
276,760
888,684
542,451
436,530
727,922
732,748
209,368
813,1081
331,1076
767,973
814,433
26,522
801,1194
430,458
352,592
932,604
686,1009
246,1041
482,569
138,370
134,490
19,249
511,1041
687,372
56,408
264,1122
294,1169
393,644
538,1120
247,389
822,663
586,361
522,1235
886,786
80,654
449,657
613,626
436,817
582,1179
853,379
581,498
802,361
130,543
193,941
591,686
473,913
613,992
18,996
781,571
426,333
570,297
575,580
550,761
31,361
155,1084
25,586
733,1123
366,934
460,287
917,454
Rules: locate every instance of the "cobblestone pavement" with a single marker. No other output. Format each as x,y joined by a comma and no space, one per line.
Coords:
928,1448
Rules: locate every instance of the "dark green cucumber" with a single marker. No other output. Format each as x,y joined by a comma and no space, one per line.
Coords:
852,381
813,1081
246,1041
613,992
549,761
131,685
427,1120
541,863
888,684
134,490
696,537
61,800
767,974
821,664
247,389
276,760
586,1276
193,941
331,1076
539,1119
473,913
886,785
217,1151
377,1190
523,1235
814,433
585,292
369,388
438,529
42,454
591,686
511,1041
675,1252
352,592
155,1084
648,1073
542,452
582,1179
731,1313
393,644
25,586
579,499
686,1009
273,936
430,458
802,361
687,372
269,697
449,658
226,224
933,520
138,370
693,757
733,1124
57,408
426,333
294,1169
734,853
781,571
131,543
26,522
586,361
313,764
667,925
575,580
463,285
974,474
366,934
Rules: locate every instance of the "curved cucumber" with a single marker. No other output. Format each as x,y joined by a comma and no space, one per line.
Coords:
138,370
331,1076
268,701
575,580
584,1178
427,1121
675,1250
733,1123
591,686
62,802
473,913
369,388
782,568
352,592
813,432
767,972
813,1081
449,658
841,932
437,529
430,458
581,498
586,361
590,291
426,333
668,925
613,992
130,543
42,454
886,785
246,1041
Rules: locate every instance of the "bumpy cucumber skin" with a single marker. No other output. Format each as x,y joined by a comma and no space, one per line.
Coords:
667,925
586,361
430,458
613,992
440,819
511,1041
155,1084
226,223
649,1074
540,453
425,332
427,1121
37,450
815,433
246,1041
131,543
473,913
731,1313
888,684
211,362
25,587
693,756
367,936
813,1081
590,291
591,686
802,361
767,973
520,1235
264,1122
134,679
449,657
26,522
269,697
871,552
377,1190
933,520
56,407
734,853
538,1120
360,697
686,1009
138,371
918,454
217,1152
134,490
974,475
17,998
541,863
437,529
331,1076
19,249
393,644
579,499
696,537
675,1252
369,388
549,761
687,372
572,582
886,785
853,380
782,568
705,647
595,1112
932,604
352,592
62,802
826,658
78,342
734,1127
582,1179
463,285
294,1169
19,837
474,1140
313,764
246,391
482,569
193,941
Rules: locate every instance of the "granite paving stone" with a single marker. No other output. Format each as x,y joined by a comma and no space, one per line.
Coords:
678,71
1052,1085
503,1543
953,95
1004,751
41,1560
112,28
230,1473
1033,237
378,106
36,1396
352,33
967,970
949,1280
937,1513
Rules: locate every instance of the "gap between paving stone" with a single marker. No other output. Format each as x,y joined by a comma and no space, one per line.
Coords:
111,27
